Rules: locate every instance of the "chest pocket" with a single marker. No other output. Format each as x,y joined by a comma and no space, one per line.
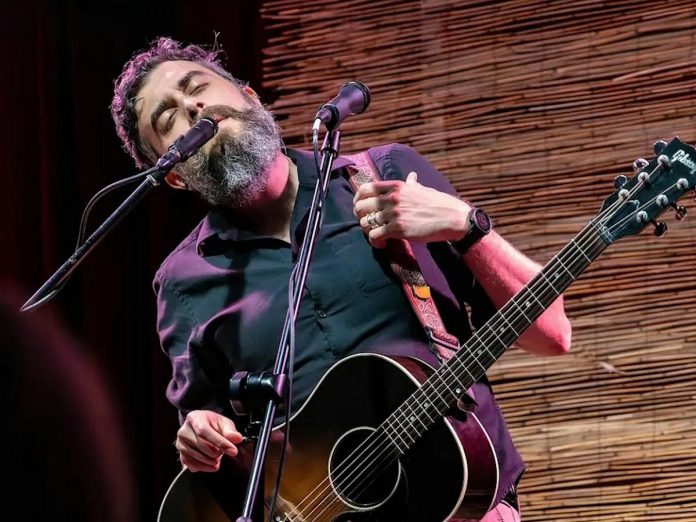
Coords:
368,268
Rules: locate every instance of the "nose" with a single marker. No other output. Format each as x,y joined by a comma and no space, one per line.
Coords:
193,107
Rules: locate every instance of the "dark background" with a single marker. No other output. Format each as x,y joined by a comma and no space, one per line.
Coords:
59,61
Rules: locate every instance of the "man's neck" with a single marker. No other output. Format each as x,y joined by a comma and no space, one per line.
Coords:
271,213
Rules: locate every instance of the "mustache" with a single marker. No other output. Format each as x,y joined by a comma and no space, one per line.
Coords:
225,111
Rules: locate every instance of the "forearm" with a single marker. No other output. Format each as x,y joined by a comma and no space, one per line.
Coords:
503,271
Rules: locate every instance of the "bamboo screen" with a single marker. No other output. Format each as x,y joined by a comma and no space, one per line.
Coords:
531,108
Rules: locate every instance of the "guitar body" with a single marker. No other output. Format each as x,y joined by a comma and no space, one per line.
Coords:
337,468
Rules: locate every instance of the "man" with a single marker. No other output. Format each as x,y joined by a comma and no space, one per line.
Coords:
222,293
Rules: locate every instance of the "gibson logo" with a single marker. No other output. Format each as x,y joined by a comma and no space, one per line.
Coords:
683,157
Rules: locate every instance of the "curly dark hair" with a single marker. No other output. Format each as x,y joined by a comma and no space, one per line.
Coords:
131,79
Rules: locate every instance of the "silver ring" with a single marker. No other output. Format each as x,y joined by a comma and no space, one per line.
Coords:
372,220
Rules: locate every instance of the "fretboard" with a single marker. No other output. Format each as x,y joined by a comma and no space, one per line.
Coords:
437,395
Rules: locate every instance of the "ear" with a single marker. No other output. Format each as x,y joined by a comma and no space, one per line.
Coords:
251,92
174,180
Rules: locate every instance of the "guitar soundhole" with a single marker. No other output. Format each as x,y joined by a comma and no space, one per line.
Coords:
362,469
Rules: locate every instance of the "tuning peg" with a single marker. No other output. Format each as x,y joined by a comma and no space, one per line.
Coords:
620,181
659,146
660,227
640,164
679,211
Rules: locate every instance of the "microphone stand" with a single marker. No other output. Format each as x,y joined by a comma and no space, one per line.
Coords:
153,178
273,387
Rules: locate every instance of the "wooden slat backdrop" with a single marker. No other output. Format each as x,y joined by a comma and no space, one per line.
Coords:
531,108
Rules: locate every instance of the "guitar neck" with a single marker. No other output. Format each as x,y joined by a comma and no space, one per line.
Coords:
477,355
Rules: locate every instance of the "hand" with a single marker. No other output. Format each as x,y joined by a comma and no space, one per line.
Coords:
409,210
204,438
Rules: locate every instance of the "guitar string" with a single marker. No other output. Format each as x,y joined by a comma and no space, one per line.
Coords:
548,286
543,280
645,205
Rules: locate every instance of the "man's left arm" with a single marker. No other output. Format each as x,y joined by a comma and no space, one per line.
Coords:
411,210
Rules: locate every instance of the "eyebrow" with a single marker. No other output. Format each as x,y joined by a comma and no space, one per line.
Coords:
181,85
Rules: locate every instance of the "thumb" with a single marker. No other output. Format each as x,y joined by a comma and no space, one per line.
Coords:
412,178
230,432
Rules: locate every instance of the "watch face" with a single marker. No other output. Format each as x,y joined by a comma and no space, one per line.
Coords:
483,222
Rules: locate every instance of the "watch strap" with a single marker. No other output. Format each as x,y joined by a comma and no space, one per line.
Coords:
477,230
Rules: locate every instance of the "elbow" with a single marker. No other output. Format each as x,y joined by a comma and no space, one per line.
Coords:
554,337
562,338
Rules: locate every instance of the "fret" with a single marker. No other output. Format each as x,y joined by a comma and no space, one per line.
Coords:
431,386
413,416
543,275
439,375
474,356
424,409
502,316
457,381
393,442
519,308
581,250
400,429
564,267
537,300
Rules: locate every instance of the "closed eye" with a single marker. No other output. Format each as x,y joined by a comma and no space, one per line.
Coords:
170,122
198,89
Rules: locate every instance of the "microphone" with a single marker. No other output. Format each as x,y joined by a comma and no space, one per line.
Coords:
353,98
188,143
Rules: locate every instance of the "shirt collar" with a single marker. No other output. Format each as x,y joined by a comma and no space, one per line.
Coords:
218,224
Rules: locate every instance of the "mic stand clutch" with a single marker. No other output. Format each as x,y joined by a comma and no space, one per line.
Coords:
272,387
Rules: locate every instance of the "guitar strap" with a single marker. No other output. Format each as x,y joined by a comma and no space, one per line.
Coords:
406,268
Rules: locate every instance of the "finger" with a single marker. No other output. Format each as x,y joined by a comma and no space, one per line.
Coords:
205,433
412,178
228,430
368,190
365,223
190,440
195,452
365,206
379,235
193,463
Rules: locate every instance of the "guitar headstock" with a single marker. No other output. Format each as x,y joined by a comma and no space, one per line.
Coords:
656,187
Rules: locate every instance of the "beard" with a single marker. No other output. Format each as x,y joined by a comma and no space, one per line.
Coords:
235,171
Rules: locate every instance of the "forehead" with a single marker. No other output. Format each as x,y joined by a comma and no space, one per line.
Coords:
162,79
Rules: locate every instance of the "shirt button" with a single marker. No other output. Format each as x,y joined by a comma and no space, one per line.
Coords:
321,313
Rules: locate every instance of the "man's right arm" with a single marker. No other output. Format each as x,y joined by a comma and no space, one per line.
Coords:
206,434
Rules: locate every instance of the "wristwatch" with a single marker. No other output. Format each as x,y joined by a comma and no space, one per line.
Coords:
479,225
